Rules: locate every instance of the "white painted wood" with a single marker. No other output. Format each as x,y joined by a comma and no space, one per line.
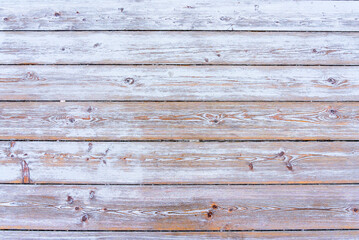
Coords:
189,83
179,48
291,235
179,15
179,120
180,162
205,207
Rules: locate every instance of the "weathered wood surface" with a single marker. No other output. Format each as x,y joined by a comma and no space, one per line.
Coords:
189,83
180,15
179,120
179,162
291,235
177,47
193,207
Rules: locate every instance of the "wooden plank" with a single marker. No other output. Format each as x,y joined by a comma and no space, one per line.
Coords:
179,162
180,15
189,83
295,235
179,48
206,207
179,120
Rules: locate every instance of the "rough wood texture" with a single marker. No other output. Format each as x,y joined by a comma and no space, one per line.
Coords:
292,235
189,83
180,162
179,48
178,207
179,15
178,120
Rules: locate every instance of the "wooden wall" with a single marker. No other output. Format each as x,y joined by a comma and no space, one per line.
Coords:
185,119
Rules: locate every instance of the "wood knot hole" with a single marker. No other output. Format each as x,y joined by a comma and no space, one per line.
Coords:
129,81
332,80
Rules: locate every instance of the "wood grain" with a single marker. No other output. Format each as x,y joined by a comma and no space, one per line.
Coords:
291,235
188,83
179,15
94,207
178,120
176,47
179,162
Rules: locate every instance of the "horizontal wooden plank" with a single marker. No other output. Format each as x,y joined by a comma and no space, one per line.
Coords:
324,235
184,15
189,83
179,48
179,120
96,207
179,162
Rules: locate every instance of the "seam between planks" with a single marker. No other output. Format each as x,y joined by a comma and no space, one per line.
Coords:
173,140
180,64
183,184
189,231
178,30
179,101
182,140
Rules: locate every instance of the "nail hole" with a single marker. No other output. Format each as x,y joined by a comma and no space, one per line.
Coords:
70,200
84,218
92,194
333,111
250,165
289,166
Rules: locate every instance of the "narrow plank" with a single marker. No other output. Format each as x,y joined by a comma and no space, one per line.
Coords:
180,15
179,162
179,120
98,207
179,48
295,235
188,83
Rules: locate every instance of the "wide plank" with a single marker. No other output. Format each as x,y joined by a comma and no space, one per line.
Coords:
176,47
184,83
88,235
179,15
179,162
179,120
206,207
